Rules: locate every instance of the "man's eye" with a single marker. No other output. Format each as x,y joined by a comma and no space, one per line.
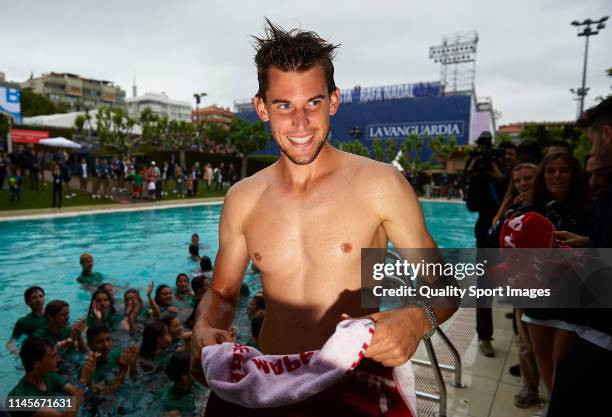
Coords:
315,102
283,106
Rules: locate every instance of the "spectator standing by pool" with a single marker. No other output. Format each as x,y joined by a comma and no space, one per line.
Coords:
34,298
84,173
137,179
66,177
105,178
219,175
15,182
208,176
179,181
88,276
97,178
34,164
57,185
232,175
195,175
165,174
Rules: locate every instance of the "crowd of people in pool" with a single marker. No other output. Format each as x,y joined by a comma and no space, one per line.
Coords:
106,178
123,356
504,184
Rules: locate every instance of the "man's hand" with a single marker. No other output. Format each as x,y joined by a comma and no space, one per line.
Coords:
89,367
397,335
202,337
150,288
572,239
77,329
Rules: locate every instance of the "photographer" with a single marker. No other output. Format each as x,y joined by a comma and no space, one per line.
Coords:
487,181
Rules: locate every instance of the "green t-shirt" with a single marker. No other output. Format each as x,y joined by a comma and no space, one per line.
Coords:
44,332
28,325
112,320
55,386
93,279
137,178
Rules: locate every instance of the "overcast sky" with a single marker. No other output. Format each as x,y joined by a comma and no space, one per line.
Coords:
528,54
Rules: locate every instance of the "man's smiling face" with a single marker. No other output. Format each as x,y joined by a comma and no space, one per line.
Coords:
298,107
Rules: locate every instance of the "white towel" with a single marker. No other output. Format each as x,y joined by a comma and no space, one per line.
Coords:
243,375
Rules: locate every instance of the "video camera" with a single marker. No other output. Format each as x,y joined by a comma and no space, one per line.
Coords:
484,155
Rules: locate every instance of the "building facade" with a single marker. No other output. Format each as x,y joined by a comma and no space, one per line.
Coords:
213,114
160,105
76,92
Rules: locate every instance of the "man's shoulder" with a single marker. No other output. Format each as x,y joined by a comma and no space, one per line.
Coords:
249,188
371,173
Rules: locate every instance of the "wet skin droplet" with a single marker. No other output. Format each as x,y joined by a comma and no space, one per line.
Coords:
346,247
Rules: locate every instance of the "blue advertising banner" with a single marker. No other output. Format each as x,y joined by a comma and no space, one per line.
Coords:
10,103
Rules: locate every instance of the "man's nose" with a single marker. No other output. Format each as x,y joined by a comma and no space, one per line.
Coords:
300,119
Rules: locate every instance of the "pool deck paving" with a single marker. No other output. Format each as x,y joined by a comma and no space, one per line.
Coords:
106,208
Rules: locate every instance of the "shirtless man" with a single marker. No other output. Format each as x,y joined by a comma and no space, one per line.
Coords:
303,222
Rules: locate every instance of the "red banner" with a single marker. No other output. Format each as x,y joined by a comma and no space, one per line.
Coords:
28,136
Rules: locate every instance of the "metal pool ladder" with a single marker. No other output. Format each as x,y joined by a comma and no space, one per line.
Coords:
441,397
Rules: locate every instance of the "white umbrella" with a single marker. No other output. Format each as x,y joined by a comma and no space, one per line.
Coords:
60,142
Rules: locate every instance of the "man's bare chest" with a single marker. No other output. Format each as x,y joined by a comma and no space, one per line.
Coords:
288,235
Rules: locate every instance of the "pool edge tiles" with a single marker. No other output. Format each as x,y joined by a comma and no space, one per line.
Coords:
105,210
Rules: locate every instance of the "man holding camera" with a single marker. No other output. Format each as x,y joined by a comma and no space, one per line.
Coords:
487,179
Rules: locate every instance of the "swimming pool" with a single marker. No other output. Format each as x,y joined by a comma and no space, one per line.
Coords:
130,249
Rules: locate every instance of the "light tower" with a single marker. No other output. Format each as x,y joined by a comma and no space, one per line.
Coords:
586,31
457,58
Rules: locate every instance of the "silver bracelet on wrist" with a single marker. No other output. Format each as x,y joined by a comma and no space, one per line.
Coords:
431,317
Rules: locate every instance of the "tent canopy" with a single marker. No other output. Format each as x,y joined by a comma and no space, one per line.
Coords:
60,142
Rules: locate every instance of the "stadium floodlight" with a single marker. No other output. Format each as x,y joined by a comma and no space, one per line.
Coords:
587,31
457,58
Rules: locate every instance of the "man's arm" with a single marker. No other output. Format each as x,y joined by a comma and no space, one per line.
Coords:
399,332
215,311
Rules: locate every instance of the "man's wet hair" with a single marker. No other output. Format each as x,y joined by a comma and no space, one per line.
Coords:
197,283
34,349
598,116
96,329
292,50
178,366
53,307
28,293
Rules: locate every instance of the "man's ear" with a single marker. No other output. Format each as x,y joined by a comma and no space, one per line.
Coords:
260,109
334,101
606,134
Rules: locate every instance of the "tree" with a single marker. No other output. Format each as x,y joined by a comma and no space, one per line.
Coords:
390,150
213,136
83,126
355,147
411,158
247,138
114,128
377,149
33,104
442,150
179,136
384,151
153,127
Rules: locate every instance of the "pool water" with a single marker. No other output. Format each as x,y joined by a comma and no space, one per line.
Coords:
131,249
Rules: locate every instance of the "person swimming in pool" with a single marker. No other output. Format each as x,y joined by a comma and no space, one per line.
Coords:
88,277
303,222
